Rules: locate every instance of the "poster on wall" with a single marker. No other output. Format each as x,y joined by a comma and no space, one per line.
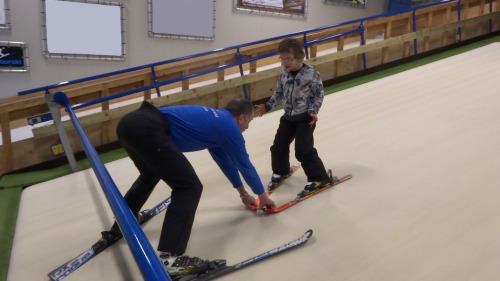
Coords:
353,3
273,7
186,19
13,57
83,30
4,14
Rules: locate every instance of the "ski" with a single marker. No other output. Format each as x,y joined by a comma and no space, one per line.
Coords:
300,199
230,268
272,186
75,263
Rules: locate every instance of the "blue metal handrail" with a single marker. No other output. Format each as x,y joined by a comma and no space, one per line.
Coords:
234,48
144,254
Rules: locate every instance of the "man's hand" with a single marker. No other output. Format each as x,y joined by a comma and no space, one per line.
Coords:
249,202
266,203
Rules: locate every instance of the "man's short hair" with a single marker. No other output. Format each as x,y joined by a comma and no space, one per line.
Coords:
240,106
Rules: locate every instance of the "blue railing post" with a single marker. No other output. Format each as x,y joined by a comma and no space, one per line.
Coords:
155,81
491,20
240,65
414,23
144,254
459,18
306,50
362,33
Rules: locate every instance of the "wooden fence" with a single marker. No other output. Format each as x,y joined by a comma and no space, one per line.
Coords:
383,39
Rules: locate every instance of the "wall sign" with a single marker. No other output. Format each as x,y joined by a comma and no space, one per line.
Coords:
273,7
353,3
186,19
13,57
83,30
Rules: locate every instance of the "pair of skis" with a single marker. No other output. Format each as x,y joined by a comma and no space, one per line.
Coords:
67,268
75,263
273,186
230,268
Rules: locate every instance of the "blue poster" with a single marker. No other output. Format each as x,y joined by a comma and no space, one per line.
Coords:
11,57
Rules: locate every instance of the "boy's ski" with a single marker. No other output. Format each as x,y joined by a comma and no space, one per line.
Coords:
300,199
72,265
272,186
230,268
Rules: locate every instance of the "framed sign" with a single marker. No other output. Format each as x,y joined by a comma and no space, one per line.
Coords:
353,3
273,7
186,19
4,14
14,57
83,30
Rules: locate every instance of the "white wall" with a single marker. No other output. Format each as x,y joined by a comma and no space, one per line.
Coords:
231,28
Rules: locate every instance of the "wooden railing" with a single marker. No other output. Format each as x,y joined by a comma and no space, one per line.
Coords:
214,78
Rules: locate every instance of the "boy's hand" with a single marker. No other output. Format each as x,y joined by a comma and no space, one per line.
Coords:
314,118
261,108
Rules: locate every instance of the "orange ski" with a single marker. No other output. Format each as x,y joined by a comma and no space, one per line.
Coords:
300,199
271,187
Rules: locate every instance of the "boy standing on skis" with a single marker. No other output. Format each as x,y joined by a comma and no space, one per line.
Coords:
300,91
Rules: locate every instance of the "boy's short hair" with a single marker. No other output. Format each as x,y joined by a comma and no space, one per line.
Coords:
240,106
292,45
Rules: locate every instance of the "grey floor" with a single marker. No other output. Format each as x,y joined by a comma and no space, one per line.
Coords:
422,145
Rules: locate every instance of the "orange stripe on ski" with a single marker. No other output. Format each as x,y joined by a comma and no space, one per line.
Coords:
291,203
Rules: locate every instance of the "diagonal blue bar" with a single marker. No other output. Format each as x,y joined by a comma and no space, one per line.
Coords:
144,254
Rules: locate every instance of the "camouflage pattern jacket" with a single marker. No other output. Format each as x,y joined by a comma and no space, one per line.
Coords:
299,94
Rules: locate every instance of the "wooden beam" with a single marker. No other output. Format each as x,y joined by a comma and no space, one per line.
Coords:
8,153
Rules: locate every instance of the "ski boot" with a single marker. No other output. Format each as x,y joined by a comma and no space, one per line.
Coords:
277,180
314,186
180,266
144,216
108,237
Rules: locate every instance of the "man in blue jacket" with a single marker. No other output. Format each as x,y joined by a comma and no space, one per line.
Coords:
155,139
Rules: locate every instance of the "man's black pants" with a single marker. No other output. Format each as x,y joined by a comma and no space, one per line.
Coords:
145,135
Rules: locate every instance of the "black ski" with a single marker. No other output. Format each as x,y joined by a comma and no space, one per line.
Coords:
230,268
72,265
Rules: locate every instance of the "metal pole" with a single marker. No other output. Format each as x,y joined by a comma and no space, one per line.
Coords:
56,116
